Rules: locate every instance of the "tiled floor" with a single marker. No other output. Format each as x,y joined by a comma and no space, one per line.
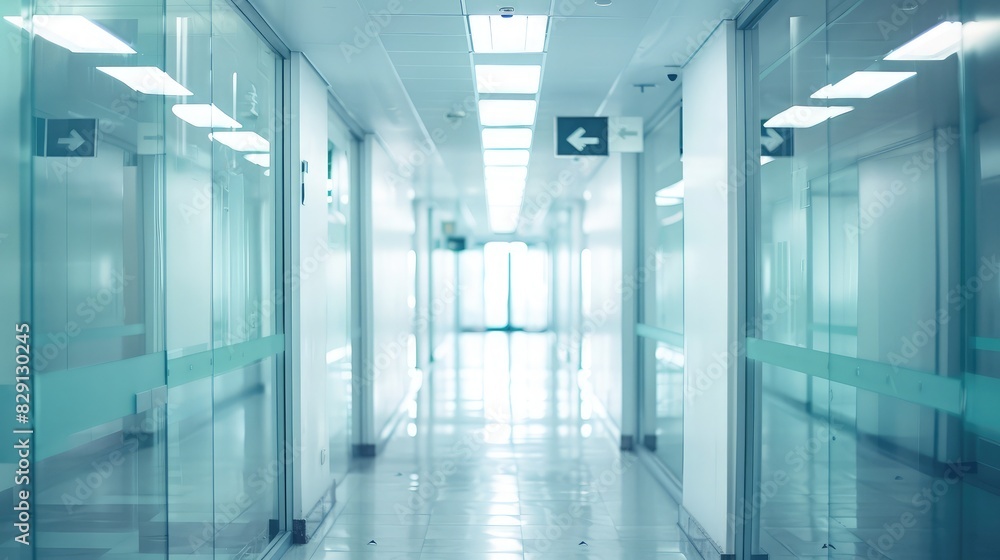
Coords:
500,459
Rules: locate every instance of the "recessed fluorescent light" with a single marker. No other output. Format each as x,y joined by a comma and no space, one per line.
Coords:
506,112
508,78
506,157
937,43
263,160
496,34
204,115
503,219
507,174
74,33
504,195
862,85
241,140
146,79
506,138
800,116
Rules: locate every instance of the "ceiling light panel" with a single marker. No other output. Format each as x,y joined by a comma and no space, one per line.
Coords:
507,112
799,116
508,78
74,33
937,43
506,157
242,140
146,79
862,85
506,138
204,115
505,194
506,174
516,34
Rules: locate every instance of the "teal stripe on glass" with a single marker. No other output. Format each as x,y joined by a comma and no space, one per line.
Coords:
988,344
925,389
69,401
243,354
189,368
794,358
982,404
221,360
662,335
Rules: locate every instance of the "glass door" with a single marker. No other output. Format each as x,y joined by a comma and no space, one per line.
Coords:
515,286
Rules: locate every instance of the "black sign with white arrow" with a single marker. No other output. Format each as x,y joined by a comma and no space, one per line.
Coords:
71,138
776,142
581,136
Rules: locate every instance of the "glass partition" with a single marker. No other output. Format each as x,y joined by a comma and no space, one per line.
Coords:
142,206
661,325
874,280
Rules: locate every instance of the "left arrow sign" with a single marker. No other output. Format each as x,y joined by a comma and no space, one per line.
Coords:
73,142
579,141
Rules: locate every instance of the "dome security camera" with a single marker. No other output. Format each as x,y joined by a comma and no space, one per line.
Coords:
672,77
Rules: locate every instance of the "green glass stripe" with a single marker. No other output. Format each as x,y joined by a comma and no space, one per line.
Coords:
221,360
925,389
68,401
661,335
245,353
982,404
785,356
189,368
988,344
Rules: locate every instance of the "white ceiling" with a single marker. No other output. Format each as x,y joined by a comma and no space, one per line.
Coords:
403,83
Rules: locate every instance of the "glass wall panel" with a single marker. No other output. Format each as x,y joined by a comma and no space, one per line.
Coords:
876,279
662,307
140,244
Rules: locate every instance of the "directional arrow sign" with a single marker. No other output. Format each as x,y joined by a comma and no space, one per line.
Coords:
626,134
776,142
580,142
581,136
71,138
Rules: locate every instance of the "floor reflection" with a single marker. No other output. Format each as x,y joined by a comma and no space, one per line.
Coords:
501,458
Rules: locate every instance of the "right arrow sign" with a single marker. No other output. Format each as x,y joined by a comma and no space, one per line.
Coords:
776,142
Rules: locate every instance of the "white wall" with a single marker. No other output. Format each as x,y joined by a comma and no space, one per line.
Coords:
602,226
390,228
305,284
710,278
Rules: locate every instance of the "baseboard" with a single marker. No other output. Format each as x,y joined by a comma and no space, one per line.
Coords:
699,538
305,528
